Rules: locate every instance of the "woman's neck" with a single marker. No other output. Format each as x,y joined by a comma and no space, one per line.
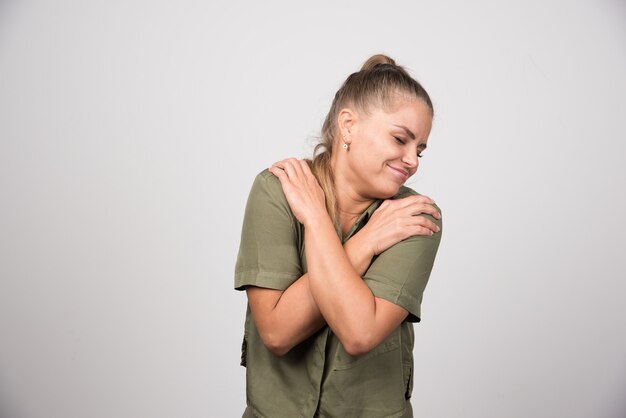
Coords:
349,203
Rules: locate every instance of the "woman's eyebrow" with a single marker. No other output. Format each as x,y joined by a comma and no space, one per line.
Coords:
407,130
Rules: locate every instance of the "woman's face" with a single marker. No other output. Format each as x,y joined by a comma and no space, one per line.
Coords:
384,147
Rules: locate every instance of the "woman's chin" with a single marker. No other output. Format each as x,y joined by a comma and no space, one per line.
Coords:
388,192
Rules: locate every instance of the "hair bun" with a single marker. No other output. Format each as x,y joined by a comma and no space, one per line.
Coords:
376,60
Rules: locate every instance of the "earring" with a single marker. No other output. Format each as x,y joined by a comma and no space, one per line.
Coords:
345,144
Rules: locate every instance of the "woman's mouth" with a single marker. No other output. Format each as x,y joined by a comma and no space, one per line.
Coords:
401,174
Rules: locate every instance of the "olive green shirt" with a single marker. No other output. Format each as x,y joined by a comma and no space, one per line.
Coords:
317,377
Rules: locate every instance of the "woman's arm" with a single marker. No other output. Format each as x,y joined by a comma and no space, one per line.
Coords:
286,318
360,320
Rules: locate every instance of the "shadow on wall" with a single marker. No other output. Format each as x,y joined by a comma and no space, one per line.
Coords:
5,408
619,408
7,9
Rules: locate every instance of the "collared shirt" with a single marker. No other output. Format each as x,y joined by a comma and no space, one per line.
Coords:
318,378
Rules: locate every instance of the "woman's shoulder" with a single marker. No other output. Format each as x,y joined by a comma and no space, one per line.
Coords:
267,187
406,192
265,175
268,182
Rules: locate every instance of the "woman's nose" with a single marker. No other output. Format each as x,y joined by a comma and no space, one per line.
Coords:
410,159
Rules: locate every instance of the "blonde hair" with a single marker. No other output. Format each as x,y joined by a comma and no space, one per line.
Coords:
379,83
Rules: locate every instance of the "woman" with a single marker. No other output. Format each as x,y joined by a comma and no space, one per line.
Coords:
334,258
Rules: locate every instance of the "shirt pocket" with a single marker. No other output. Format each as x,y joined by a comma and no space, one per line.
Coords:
344,361
368,386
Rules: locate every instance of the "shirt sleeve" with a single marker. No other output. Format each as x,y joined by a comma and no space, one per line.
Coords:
400,273
269,253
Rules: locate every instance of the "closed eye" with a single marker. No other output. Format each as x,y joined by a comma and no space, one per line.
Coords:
402,142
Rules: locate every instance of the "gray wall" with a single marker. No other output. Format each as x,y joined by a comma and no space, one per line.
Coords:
130,133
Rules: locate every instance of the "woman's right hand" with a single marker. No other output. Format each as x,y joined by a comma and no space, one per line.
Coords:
396,220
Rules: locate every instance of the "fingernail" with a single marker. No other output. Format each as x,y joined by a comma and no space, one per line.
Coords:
438,229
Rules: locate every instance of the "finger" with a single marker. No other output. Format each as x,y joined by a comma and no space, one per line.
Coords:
397,203
424,208
420,230
297,168
419,199
291,167
306,170
423,222
278,172
280,164
410,200
425,199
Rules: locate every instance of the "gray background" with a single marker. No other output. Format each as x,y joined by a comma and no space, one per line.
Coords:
131,131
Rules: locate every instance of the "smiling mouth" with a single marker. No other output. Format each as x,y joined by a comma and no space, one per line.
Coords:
401,174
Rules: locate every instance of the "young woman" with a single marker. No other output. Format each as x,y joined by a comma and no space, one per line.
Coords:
335,254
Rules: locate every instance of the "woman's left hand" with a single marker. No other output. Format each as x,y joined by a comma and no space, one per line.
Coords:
304,194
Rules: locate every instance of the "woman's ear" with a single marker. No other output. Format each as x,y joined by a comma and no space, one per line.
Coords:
345,121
